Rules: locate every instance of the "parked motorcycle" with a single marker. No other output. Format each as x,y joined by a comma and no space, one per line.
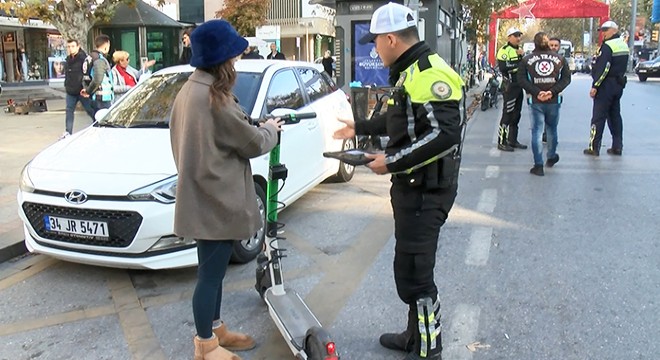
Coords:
490,95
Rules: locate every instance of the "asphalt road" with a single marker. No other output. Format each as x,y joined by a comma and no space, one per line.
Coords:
563,266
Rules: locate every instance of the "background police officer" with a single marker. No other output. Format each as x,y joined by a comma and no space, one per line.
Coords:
508,58
609,79
423,123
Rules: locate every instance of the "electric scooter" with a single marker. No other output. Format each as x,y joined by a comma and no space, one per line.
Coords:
303,332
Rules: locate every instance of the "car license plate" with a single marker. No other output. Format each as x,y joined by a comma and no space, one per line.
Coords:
642,70
77,228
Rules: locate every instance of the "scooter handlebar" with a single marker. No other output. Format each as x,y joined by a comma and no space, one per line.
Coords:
293,118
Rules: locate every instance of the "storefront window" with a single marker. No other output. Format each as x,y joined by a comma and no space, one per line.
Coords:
56,56
160,45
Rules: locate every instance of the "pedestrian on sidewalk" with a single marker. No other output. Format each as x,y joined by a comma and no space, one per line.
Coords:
101,87
124,75
186,51
213,141
544,74
508,59
609,80
423,124
73,84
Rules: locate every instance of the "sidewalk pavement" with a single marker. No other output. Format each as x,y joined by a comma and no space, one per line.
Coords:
23,137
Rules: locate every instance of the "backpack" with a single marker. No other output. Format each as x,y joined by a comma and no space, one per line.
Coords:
87,66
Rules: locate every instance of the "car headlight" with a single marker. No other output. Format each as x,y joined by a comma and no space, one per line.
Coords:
25,183
163,191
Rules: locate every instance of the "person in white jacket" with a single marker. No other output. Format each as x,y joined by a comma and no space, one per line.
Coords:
124,75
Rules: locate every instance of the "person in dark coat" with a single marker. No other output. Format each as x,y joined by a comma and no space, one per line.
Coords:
251,52
73,83
274,54
327,62
186,53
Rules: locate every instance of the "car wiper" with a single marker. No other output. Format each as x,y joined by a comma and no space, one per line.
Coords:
158,124
110,124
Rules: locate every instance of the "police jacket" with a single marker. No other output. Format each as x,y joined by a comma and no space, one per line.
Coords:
425,121
73,70
544,70
508,61
611,62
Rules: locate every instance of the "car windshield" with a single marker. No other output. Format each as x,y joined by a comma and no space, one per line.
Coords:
150,104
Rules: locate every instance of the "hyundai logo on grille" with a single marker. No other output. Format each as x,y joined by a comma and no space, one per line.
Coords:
75,197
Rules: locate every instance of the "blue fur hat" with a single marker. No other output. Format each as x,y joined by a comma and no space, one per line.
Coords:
215,42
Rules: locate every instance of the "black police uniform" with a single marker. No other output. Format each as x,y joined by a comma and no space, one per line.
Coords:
609,79
508,61
422,123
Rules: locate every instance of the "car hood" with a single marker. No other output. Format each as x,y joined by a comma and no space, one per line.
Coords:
104,161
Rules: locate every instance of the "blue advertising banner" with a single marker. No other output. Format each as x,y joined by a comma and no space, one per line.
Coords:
367,66
655,13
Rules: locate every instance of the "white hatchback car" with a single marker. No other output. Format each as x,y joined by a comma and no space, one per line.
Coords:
105,196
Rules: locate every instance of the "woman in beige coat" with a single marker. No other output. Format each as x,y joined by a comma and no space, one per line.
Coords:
213,141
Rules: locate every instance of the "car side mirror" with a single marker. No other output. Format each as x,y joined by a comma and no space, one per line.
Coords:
101,114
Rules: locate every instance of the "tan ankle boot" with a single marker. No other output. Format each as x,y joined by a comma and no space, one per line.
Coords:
232,340
209,350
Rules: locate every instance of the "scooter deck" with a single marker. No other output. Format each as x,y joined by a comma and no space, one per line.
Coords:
293,313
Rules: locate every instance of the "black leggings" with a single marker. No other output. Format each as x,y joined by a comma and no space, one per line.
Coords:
213,257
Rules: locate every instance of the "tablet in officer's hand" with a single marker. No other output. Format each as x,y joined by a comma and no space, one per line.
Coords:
352,156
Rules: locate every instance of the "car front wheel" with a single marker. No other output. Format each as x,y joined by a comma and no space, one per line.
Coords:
346,171
642,78
248,249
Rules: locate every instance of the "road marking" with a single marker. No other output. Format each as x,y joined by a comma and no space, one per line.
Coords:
63,318
492,171
487,201
462,331
495,152
138,333
479,248
35,268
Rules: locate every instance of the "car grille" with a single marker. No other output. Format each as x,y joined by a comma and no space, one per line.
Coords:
122,225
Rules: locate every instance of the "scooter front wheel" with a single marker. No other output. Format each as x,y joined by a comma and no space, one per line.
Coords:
319,345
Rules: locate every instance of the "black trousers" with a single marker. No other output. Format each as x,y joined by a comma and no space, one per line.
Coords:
418,217
607,107
513,99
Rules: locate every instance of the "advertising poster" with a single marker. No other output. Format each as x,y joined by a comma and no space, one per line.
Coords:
56,67
367,67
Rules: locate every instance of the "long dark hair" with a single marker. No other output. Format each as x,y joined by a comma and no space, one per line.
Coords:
225,77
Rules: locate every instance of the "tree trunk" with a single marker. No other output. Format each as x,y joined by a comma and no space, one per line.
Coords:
74,20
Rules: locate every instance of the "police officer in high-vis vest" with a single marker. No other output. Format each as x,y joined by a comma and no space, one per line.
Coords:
424,125
609,79
100,87
508,58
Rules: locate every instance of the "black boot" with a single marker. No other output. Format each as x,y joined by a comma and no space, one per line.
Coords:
427,337
502,142
401,341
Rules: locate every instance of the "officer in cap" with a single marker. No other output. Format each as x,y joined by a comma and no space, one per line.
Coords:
508,58
423,122
609,79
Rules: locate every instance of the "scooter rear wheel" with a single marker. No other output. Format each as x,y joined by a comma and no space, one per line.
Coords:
317,345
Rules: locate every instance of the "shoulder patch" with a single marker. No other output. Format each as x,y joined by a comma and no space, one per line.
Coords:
441,90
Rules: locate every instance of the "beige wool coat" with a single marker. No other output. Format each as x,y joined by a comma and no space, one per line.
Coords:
215,197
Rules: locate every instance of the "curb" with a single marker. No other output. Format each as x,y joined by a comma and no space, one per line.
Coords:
13,251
